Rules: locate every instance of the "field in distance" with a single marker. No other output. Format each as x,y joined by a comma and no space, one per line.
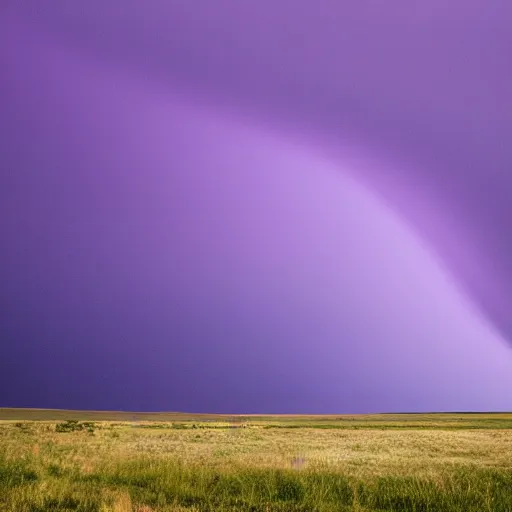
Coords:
463,420
53,460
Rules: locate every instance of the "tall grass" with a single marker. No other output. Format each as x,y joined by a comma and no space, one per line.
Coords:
145,484
125,467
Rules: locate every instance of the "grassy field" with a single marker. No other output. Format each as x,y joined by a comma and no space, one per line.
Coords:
120,462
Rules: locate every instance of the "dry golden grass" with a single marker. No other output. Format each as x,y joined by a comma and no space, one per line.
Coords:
361,454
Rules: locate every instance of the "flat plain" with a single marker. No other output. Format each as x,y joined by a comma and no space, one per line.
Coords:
92,461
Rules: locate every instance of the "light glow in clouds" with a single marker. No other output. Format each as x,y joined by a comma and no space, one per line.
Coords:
160,255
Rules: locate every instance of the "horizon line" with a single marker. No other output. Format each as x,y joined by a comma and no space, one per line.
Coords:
119,411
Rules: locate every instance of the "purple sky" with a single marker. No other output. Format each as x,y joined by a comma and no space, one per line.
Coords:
237,207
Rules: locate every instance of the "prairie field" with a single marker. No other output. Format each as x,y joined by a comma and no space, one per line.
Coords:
53,460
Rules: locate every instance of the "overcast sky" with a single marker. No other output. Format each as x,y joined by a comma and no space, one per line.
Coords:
239,206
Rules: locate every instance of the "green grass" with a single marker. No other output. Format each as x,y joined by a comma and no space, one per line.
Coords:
107,462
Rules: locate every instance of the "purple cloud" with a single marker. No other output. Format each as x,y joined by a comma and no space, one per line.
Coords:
217,212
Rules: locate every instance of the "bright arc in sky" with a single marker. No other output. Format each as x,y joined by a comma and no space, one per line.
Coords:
175,244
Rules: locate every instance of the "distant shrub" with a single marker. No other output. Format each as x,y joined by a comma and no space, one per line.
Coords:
75,426
153,425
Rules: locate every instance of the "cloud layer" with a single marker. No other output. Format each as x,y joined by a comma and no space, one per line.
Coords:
184,256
